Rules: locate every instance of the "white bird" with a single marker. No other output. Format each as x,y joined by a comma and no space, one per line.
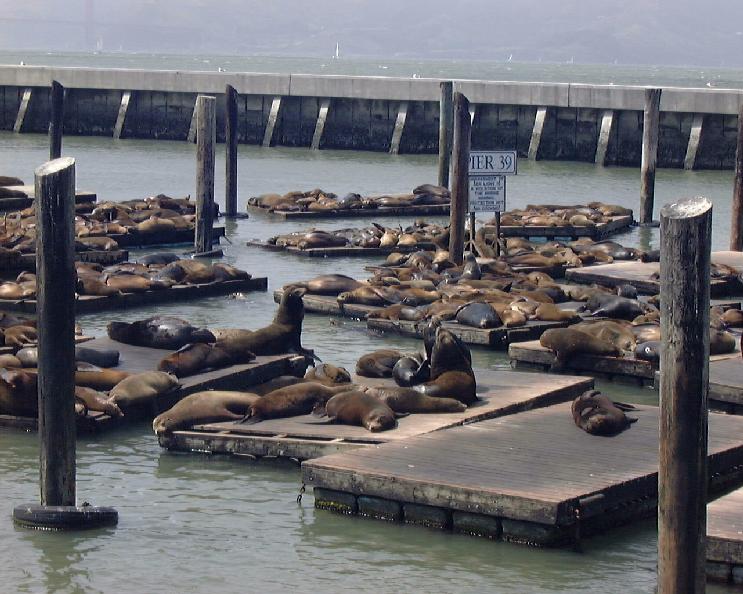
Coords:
220,69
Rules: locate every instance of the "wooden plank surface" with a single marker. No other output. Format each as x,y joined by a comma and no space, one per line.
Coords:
725,529
615,225
726,379
382,211
501,393
92,303
533,466
345,251
176,237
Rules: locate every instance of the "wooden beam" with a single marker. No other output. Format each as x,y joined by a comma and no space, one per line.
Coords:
273,116
22,110
230,147
126,97
460,177
446,131
695,136
191,138
651,117
736,230
686,231
322,117
536,134
206,137
55,270
402,115
602,147
56,119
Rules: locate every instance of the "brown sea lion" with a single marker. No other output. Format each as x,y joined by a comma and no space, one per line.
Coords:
291,401
192,358
204,407
97,401
733,318
328,374
18,395
19,336
451,370
283,335
99,379
329,284
566,342
7,361
548,312
720,342
596,414
378,363
615,332
141,388
276,383
407,400
128,283
358,408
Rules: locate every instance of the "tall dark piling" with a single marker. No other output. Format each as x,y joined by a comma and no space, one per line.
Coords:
650,123
446,131
205,139
686,229
736,230
460,177
230,135
56,119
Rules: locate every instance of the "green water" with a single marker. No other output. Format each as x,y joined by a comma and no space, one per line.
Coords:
195,523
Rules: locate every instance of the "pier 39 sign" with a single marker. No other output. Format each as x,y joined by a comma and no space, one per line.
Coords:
487,175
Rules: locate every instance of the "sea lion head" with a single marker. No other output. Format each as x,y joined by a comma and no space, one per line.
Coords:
291,308
202,335
118,331
334,374
380,420
449,354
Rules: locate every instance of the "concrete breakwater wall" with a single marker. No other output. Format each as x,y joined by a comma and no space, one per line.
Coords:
551,121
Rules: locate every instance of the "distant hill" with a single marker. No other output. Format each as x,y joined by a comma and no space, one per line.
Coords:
667,32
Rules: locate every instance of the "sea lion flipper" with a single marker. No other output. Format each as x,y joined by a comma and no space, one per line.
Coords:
623,406
400,415
631,420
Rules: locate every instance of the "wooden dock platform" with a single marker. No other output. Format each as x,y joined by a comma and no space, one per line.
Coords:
342,252
353,213
92,303
305,437
638,274
28,261
725,539
726,383
175,237
533,477
24,197
601,231
136,359
328,305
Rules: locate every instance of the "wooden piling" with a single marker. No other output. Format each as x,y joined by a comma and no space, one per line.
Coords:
651,118
736,230
446,131
460,177
205,140
230,135
55,282
22,110
56,120
686,229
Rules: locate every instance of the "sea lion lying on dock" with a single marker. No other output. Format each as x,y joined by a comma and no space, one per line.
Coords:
596,414
358,408
328,374
158,332
204,407
194,358
18,393
566,342
141,388
292,401
97,401
408,400
378,363
328,284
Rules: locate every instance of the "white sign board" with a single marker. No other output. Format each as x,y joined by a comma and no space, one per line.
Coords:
492,163
487,193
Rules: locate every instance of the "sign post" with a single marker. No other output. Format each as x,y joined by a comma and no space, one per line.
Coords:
487,181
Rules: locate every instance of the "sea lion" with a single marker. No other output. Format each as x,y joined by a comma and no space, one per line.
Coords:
204,407
18,393
618,333
478,315
596,414
99,358
720,342
407,400
142,388
617,307
8,361
328,284
19,336
99,379
159,258
649,351
193,358
471,269
283,335
378,363
358,408
627,291
325,373
97,401
292,401
548,312
411,371
158,332
566,342
451,369
732,318
28,356
646,332
276,383
7,320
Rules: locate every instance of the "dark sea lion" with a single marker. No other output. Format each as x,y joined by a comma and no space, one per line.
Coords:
378,363
411,371
292,401
619,308
159,258
720,342
159,332
649,351
451,370
478,315
7,180
358,408
97,357
628,291
18,395
193,358
407,400
329,284
276,383
566,342
204,407
650,256
7,320
325,373
97,401
283,335
28,356
471,269
142,388
596,414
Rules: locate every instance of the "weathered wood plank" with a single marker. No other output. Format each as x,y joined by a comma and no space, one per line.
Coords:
382,211
617,224
342,252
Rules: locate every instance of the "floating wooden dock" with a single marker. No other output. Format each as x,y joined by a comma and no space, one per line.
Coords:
600,231
638,274
174,237
353,213
501,393
342,252
725,539
533,477
726,383
328,305
136,359
92,303
7,350
25,197
28,261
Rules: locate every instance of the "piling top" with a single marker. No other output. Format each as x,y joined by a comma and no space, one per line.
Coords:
686,208
54,166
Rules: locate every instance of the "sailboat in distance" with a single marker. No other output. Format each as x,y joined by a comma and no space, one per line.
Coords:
337,55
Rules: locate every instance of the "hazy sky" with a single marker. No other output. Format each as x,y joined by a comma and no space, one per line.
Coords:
678,32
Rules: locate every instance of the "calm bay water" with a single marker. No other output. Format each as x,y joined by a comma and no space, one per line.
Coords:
195,523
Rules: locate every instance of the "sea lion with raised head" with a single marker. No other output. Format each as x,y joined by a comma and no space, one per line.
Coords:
566,342
596,414
451,369
358,408
204,407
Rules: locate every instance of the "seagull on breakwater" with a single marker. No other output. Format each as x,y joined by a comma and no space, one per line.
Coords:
220,69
